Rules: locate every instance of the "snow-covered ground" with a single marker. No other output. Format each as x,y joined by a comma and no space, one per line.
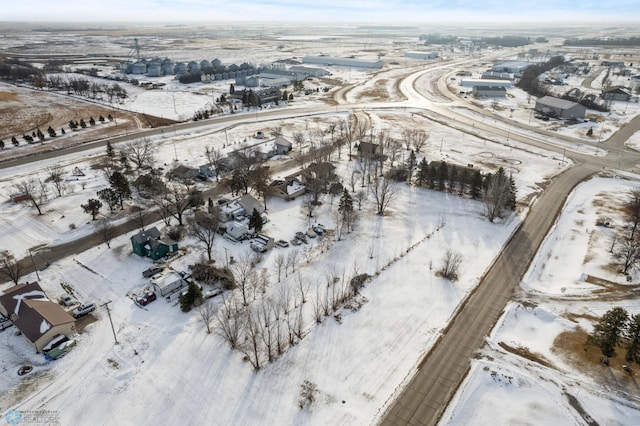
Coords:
541,386
167,369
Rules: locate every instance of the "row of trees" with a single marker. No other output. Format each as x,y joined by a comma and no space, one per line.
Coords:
81,86
617,328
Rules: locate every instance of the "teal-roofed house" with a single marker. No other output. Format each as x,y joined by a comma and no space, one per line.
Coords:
149,244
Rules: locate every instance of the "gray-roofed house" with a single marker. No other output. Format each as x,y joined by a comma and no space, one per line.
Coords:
249,202
282,145
559,108
616,94
287,189
38,318
149,244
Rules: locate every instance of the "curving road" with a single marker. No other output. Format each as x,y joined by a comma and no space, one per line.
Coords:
442,370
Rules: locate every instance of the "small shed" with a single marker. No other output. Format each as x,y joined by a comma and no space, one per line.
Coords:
168,283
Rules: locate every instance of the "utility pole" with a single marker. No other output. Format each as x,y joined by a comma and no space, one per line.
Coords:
106,305
34,264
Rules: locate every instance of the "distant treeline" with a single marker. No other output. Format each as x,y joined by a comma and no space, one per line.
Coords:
631,41
505,41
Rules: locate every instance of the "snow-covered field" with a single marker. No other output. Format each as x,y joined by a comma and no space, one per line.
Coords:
541,386
166,369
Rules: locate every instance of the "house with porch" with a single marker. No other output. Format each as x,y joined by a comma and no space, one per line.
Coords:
149,244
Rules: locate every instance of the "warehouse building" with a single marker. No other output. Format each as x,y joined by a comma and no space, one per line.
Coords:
342,62
559,108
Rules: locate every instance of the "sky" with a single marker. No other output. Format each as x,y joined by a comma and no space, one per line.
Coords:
374,11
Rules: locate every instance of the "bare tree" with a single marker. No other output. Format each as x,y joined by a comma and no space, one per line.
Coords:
11,267
163,203
140,152
206,312
303,287
450,265
277,131
267,332
54,175
292,259
415,139
298,137
215,157
309,204
260,179
251,347
632,211
627,251
361,196
284,298
105,229
230,322
280,262
384,192
28,189
242,270
179,199
204,227
497,195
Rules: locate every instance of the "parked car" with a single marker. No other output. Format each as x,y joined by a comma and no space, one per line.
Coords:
83,310
67,301
310,233
146,298
318,229
58,347
301,236
211,293
296,242
149,272
282,243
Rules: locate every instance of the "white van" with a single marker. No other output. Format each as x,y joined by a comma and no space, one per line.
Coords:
83,310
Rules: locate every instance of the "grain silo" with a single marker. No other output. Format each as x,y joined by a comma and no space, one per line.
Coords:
139,68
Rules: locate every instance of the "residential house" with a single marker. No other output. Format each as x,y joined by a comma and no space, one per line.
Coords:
38,318
368,150
249,203
283,145
287,189
183,172
559,108
149,244
616,93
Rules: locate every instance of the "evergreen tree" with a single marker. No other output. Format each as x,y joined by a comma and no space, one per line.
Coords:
101,118
109,196
40,135
92,207
607,333
443,175
110,151
423,172
62,130
82,123
14,141
453,179
232,89
255,221
632,333
110,117
476,184
463,181
51,131
345,208
510,202
1,144
432,175
193,296
120,186
92,121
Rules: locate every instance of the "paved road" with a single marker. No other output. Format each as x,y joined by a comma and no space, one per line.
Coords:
442,370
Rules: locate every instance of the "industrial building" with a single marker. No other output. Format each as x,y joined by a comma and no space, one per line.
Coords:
486,83
514,67
342,62
421,55
559,108
489,92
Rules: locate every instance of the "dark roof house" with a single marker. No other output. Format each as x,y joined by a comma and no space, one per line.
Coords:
38,318
148,244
